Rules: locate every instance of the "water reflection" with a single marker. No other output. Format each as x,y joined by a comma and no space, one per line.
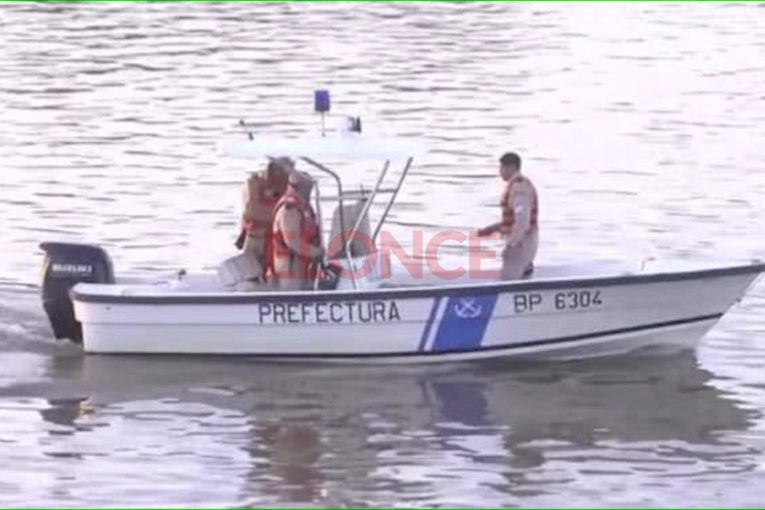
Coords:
289,453
335,435
64,412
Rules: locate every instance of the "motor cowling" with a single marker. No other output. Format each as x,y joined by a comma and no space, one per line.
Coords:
65,265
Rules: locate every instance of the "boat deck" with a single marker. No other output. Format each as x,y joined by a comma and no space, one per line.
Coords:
209,282
205,283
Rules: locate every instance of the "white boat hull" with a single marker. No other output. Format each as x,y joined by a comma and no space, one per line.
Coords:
547,318
669,339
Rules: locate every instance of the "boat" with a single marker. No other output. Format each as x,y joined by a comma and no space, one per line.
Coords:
367,312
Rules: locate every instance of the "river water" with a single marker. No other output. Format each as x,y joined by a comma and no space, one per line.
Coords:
641,125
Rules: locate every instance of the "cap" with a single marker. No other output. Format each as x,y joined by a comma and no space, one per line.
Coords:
300,179
282,162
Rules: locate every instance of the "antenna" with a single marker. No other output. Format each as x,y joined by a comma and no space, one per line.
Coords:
244,125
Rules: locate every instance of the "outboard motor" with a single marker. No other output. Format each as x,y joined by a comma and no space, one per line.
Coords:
65,265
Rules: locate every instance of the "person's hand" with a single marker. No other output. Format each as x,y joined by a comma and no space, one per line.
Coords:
486,231
317,252
335,268
240,240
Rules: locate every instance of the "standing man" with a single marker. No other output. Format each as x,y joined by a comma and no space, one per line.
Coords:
519,224
261,192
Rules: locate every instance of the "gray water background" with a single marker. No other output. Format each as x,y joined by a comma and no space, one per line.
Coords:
641,125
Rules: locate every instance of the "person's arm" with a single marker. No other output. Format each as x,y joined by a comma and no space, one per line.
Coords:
491,229
494,227
251,192
521,204
245,217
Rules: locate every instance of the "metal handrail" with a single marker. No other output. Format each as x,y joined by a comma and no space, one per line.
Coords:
321,238
326,170
367,205
339,186
350,194
392,199
364,212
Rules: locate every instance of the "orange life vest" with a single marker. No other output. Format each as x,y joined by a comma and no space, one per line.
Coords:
508,214
259,203
309,235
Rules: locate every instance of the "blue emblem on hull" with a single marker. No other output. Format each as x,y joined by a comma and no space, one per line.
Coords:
460,323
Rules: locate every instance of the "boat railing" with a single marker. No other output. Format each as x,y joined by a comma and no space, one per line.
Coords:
368,197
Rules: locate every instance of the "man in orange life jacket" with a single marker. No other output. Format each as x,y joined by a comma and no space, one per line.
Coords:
519,225
294,243
260,194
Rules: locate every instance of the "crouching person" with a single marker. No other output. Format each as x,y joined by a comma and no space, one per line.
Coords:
260,195
294,244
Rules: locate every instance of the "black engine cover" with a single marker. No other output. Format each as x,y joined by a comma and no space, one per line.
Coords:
65,265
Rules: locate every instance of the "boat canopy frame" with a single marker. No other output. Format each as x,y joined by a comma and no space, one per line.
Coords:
349,147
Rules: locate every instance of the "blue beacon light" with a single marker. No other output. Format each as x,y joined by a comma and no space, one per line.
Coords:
321,104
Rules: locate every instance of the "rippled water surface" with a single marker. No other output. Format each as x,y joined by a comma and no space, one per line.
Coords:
640,124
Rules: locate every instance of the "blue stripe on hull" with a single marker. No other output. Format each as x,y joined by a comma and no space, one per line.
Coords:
464,323
429,324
